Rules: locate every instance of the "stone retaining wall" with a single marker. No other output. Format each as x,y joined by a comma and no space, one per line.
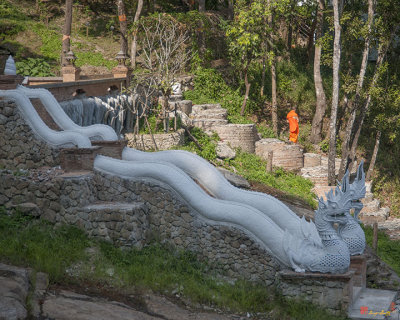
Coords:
332,291
19,148
164,141
133,213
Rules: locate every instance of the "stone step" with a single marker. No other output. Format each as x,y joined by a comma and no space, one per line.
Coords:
201,107
318,175
212,114
371,206
369,196
208,124
368,218
370,303
321,190
391,228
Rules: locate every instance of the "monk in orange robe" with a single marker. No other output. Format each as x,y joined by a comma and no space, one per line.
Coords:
293,120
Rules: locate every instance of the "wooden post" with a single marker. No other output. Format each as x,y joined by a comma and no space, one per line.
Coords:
66,31
269,161
375,237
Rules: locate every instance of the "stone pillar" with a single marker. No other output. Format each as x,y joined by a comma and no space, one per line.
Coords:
70,73
122,71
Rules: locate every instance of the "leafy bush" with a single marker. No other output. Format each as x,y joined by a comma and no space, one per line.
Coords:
207,143
210,87
265,131
34,67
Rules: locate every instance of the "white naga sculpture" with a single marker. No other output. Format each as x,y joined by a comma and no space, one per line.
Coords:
216,184
293,249
294,242
350,231
52,106
53,138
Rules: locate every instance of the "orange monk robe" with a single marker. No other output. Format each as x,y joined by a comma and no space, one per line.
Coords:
293,119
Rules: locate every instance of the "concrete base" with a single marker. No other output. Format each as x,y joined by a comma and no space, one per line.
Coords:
111,148
70,73
372,304
78,159
359,265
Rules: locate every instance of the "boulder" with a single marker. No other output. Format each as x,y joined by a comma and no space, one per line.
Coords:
224,151
234,179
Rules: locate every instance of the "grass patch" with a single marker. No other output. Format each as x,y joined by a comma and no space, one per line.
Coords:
159,267
35,243
252,167
95,59
12,21
388,250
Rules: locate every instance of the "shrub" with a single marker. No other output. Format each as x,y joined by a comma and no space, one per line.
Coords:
34,67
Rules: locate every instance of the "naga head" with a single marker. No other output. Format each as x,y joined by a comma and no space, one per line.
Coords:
335,207
356,190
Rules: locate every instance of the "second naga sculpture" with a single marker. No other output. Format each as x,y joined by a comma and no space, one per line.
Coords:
350,231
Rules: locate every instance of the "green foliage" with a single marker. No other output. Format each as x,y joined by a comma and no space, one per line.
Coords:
51,41
388,250
265,131
152,119
34,67
159,267
28,242
93,59
12,21
324,145
210,87
207,143
252,167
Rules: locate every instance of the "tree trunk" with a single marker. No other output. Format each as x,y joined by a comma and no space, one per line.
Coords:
202,5
263,78
134,39
360,119
201,34
320,107
230,9
273,93
66,31
246,95
374,154
335,95
122,26
354,104
311,36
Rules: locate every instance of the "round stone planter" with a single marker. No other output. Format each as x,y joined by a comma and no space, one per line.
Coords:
287,156
238,135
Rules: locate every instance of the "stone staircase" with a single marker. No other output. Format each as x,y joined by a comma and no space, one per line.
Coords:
207,116
316,169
